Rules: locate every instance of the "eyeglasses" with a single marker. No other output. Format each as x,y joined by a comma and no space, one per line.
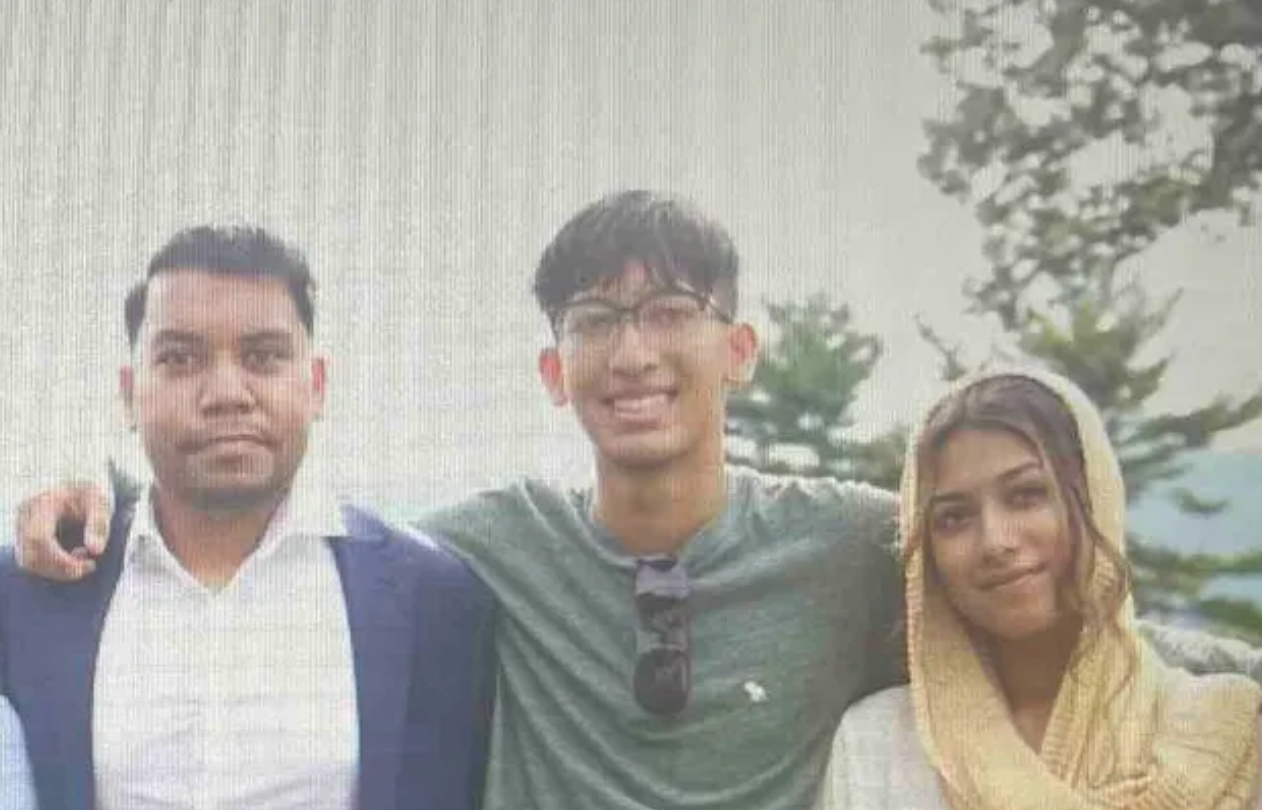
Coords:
660,316
663,666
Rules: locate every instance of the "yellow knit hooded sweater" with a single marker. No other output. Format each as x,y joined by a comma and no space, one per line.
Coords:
1160,739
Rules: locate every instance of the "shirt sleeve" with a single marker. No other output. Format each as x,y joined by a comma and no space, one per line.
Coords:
887,646
1201,653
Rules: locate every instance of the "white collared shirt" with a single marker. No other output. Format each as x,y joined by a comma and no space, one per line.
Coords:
17,792
238,698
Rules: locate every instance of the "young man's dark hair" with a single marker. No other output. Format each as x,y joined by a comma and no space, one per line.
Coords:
668,234
243,250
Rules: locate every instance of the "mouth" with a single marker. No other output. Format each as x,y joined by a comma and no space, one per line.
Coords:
1008,578
232,440
639,406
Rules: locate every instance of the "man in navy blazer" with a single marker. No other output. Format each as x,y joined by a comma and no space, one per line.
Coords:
247,643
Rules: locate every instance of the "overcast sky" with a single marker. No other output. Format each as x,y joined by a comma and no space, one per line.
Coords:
424,154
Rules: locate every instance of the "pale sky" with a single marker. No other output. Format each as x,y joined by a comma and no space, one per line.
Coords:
424,157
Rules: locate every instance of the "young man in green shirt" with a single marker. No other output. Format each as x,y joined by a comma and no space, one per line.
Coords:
684,634
764,605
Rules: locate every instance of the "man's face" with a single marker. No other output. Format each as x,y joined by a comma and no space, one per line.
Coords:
649,390
223,388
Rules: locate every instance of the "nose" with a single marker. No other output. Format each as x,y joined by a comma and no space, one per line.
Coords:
629,351
998,531
226,389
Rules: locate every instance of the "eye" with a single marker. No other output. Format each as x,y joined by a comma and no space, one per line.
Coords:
176,359
669,312
265,358
591,320
948,520
1029,494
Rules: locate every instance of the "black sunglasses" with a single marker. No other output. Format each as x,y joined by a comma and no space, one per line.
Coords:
663,666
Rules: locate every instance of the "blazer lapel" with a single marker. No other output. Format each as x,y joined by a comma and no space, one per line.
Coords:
382,640
64,657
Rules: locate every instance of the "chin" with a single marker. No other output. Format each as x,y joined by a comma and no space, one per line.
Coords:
642,452
1022,626
236,496
640,461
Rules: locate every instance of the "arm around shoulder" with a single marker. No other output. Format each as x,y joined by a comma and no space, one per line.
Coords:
886,658
1201,653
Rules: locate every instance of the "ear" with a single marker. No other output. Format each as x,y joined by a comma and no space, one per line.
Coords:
553,376
127,390
318,382
742,355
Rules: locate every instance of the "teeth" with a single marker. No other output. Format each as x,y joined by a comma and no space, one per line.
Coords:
632,406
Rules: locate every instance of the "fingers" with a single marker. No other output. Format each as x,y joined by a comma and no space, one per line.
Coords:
97,520
67,507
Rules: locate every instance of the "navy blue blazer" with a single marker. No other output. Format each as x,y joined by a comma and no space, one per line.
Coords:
422,632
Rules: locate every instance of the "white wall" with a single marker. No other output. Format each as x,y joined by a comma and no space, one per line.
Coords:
423,154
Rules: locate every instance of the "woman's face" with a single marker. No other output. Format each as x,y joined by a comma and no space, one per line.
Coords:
997,534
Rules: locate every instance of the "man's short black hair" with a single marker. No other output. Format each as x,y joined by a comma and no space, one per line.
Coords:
242,250
668,234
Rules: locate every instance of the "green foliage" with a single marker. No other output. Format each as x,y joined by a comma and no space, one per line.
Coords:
1168,582
795,416
1045,86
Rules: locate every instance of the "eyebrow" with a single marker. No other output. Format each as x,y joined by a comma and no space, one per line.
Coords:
250,338
175,336
267,336
1005,476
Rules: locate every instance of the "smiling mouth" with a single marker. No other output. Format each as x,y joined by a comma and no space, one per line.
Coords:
639,406
1013,578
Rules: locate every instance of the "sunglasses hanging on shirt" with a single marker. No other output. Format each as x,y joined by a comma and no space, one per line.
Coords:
663,668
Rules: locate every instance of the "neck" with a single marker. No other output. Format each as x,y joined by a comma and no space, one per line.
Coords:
656,511
1030,672
211,544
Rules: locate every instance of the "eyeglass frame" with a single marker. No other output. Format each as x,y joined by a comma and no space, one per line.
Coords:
705,304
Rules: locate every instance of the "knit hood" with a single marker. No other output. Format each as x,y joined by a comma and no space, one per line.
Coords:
1126,731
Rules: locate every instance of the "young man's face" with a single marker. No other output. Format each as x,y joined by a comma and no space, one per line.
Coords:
223,388
648,392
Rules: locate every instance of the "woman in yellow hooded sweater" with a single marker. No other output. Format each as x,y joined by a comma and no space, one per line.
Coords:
1029,686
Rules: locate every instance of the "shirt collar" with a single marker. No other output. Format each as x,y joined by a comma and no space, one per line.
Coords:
308,510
